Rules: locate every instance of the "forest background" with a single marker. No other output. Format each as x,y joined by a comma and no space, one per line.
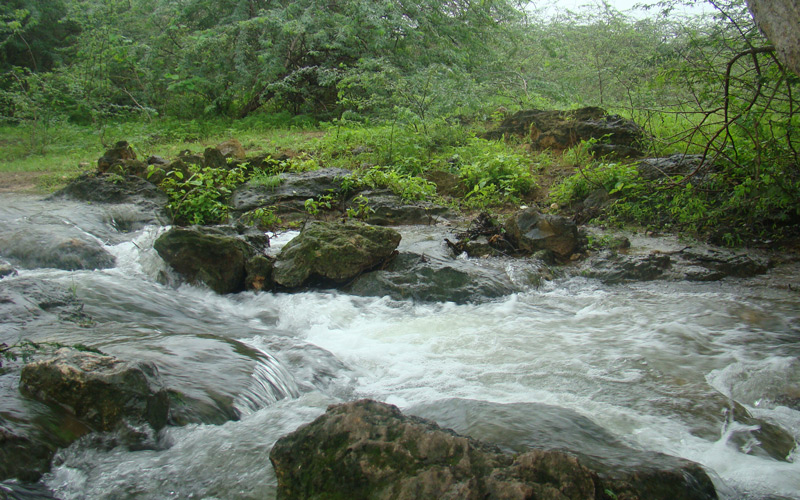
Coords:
396,89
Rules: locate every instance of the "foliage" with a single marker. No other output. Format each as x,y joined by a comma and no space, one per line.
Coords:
406,186
264,218
489,170
199,196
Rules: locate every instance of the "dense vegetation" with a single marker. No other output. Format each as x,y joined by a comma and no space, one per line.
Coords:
399,88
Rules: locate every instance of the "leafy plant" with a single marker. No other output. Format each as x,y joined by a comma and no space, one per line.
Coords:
199,196
263,218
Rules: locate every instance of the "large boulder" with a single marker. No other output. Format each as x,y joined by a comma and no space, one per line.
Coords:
426,279
290,195
214,256
369,450
101,390
332,251
384,208
530,231
559,130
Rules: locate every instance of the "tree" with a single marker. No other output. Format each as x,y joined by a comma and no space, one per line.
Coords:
779,20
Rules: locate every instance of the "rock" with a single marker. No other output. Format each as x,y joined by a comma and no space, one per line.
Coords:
724,263
529,231
232,149
21,456
101,188
24,300
213,158
369,450
611,267
669,166
259,273
100,390
559,130
208,255
156,160
333,251
484,237
120,152
13,490
425,279
37,247
388,209
7,270
291,194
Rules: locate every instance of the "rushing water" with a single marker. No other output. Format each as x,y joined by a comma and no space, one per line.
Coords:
659,365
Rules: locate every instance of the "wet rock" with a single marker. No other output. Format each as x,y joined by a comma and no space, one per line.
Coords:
484,237
291,194
561,130
13,490
23,300
721,263
259,273
7,270
333,251
366,449
100,390
530,231
37,247
611,267
668,166
425,279
100,188
121,152
388,209
21,457
214,256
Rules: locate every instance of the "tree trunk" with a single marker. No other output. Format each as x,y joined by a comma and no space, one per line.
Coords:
779,20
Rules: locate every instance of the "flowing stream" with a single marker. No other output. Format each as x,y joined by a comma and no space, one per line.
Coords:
663,366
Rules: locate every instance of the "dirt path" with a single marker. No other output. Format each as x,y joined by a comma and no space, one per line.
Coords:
20,182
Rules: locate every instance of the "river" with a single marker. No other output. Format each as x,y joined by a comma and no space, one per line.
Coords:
663,366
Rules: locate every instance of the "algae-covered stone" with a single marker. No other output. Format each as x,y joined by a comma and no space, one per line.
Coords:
203,256
333,251
369,450
100,390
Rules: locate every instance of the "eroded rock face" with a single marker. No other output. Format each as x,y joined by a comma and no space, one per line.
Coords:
530,231
369,450
121,152
333,251
211,255
388,209
98,389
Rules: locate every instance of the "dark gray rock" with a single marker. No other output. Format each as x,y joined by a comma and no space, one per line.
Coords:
425,279
388,209
100,390
291,194
214,256
21,456
370,450
23,300
668,166
7,270
530,230
611,267
336,252
121,152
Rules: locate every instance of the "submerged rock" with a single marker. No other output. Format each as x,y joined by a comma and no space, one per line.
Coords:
611,267
332,251
530,231
214,256
425,279
38,247
24,300
98,389
370,450
21,456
